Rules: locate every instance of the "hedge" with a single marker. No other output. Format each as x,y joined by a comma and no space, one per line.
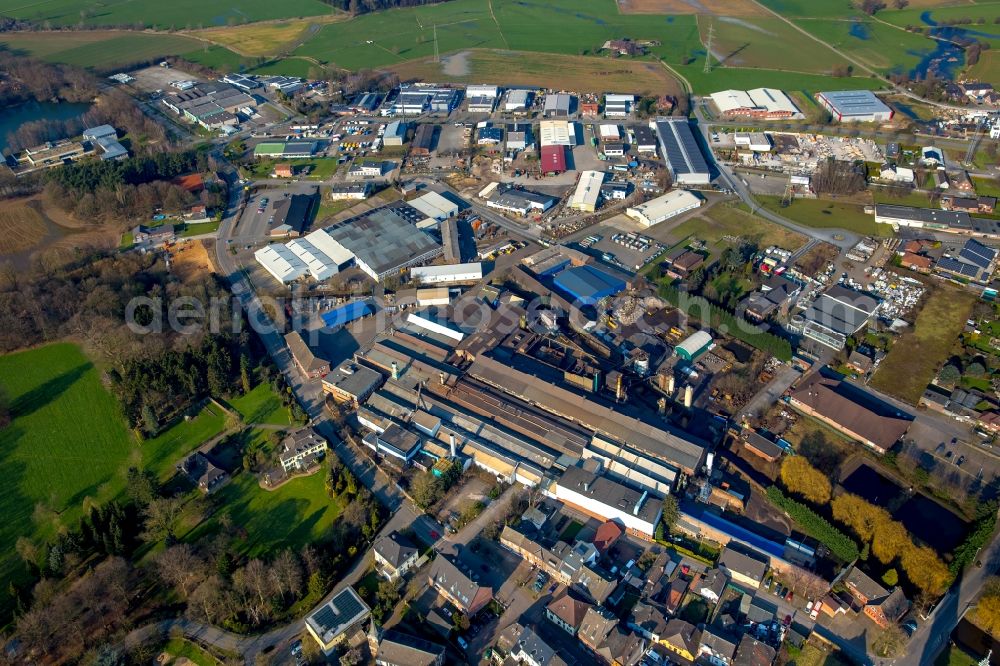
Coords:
981,533
813,524
725,322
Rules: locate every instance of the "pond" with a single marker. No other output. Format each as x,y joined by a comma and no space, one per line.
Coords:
12,117
924,518
947,58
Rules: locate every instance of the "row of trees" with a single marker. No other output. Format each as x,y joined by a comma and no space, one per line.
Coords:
890,541
726,322
841,546
33,80
801,478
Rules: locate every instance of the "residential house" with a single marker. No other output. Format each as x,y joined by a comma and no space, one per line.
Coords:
595,626
524,646
596,582
744,566
888,610
751,652
567,613
621,648
332,623
681,264
716,647
711,586
154,236
283,171
648,620
920,263
300,449
203,472
675,595
394,648
458,585
863,587
607,534
860,362
679,638
394,555
774,298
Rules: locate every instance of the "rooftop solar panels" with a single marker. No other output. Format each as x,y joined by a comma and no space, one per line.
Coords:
682,152
976,253
958,267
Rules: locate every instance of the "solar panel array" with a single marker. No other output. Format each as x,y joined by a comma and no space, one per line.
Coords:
347,605
976,253
680,147
958,267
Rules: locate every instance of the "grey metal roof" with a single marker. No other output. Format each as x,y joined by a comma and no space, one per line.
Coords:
680,148
383,239
948,218
855,102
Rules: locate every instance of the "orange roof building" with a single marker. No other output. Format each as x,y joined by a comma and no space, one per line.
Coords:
192,182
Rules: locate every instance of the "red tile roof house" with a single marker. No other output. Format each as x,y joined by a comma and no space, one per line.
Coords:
889,609
607,534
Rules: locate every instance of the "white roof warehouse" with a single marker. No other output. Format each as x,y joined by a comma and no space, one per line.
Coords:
663,208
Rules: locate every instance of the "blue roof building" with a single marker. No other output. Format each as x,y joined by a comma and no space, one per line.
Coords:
588,284
347,313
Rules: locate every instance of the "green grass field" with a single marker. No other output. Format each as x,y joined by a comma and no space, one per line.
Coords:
67,441
881,46
162,15
721,221
917,355
824,214
723,78
98,48
320,168
291,516
766,43
554,26
261,405
180,648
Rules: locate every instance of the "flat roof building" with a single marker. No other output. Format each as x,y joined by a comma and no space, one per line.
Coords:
664,207
423,140
521,202
605,499
383,242
680,149
518,100
435,206
930,218
855,106
588,284
448,274
645,139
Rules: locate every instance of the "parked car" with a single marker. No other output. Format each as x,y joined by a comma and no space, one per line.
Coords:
910,627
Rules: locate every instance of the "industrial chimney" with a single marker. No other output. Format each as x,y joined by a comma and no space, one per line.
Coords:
395,370
671,385
452,441
661,406
441,378
620,388
688,396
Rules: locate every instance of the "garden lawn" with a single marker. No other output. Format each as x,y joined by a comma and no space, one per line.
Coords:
291,516
180,648
162,453
916,356
67,441
261,405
